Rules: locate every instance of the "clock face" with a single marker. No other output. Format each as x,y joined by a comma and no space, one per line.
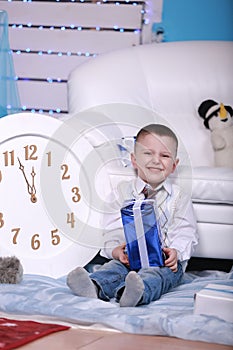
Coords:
45,215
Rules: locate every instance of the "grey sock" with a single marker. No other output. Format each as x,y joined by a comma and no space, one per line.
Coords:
133,292
80,283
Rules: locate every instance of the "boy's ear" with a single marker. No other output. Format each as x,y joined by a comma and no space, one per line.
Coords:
176,161
133,160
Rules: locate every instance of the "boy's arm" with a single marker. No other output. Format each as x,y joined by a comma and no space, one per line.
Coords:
112,238
118,253
113,231
171,258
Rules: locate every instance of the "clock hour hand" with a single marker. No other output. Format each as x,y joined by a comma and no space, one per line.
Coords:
31,189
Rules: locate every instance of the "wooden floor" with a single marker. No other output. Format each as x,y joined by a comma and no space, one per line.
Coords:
74,339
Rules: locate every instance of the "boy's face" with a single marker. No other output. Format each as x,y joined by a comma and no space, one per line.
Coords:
154,158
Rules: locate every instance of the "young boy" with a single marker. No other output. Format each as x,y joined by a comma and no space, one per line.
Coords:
154,158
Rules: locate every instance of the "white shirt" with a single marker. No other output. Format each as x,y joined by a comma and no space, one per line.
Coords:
179,231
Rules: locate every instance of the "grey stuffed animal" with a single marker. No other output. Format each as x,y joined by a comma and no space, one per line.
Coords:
11,270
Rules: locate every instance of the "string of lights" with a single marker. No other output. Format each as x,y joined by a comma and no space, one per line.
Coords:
73,27
57,53
36,110
69,27
97,2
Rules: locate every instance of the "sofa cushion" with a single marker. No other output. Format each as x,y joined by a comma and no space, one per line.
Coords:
214,213
209,184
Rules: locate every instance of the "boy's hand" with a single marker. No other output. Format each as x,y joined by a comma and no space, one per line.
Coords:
118,253
171,260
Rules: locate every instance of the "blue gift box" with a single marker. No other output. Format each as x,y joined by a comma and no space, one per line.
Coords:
142,234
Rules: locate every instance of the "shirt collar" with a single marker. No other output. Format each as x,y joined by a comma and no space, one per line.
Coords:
140,184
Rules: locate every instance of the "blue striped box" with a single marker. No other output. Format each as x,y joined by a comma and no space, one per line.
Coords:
142,234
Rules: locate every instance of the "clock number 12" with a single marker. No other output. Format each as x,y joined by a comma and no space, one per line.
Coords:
30,152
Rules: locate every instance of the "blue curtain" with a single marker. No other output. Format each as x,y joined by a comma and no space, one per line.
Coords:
9,96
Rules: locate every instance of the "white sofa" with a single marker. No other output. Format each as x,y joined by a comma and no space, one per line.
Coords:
167,81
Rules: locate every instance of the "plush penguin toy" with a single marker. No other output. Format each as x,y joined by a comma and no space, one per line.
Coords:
218,118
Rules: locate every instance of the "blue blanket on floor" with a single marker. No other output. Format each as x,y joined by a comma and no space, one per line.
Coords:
172,315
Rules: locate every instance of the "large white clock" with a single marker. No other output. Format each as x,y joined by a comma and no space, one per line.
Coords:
44,206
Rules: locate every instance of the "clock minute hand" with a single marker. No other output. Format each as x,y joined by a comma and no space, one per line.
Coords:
29,187
33,188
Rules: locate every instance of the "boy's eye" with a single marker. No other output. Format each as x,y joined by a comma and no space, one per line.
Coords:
147,153
166,155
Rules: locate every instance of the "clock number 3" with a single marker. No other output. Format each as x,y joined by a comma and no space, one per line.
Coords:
75,190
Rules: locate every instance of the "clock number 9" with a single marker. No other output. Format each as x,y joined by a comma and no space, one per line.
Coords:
1,220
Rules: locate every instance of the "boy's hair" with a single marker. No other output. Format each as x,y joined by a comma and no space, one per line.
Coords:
157,129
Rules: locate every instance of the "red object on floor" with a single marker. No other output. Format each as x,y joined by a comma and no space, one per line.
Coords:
15,333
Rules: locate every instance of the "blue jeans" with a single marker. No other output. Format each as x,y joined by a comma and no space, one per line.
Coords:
110,278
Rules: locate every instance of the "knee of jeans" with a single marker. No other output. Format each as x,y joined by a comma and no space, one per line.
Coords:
111,264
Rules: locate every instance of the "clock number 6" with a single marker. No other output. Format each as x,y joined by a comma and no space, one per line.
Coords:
35,243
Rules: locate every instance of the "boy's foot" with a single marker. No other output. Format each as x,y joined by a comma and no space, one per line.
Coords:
133,292
80,283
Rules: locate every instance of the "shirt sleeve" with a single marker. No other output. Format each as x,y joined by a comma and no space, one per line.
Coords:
182,231
113,231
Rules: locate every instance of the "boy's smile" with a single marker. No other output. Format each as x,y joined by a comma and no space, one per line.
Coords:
154,158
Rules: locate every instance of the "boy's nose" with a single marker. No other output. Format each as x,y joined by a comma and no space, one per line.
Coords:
155,159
